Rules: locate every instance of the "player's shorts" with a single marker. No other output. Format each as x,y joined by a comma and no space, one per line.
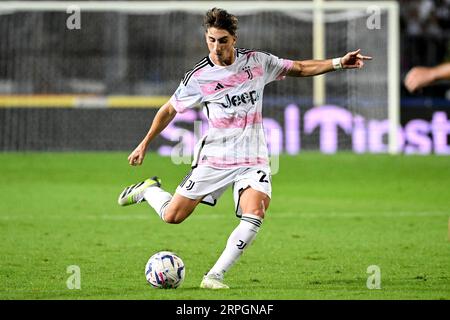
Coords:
210,183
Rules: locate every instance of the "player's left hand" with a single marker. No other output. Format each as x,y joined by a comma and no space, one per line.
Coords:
354,59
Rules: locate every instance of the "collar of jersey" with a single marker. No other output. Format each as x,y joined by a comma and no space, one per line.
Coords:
216,65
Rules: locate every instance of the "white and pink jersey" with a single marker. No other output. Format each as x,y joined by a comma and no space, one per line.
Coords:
231,97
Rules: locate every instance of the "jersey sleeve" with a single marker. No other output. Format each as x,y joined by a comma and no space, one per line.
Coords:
187,96
275,68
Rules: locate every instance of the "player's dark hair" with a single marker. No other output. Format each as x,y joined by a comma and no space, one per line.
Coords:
220,19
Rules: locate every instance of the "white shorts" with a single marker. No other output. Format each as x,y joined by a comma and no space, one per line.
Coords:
210,183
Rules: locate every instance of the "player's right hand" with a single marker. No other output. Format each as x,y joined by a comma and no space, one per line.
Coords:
137,156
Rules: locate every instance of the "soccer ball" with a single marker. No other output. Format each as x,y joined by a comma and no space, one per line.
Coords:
164,270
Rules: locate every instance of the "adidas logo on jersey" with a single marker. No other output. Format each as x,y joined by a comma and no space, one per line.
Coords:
246,97
219,86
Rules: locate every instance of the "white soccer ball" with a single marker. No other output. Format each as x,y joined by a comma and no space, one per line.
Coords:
165,270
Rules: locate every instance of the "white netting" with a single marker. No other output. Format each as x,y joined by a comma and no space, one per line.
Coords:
147,53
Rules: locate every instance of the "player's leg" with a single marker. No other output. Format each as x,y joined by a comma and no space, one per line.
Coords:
254,202
253,198
202,184
171,209
179,208
192,190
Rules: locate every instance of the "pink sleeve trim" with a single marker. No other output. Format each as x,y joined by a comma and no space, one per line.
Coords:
177,105
287,65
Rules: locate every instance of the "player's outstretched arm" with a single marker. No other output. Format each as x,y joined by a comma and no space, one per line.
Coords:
419,77
163,117
308,68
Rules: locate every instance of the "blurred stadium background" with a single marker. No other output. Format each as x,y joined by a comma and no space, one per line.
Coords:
98,86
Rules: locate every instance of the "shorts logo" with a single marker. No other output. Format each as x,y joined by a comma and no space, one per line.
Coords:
237,100
190,185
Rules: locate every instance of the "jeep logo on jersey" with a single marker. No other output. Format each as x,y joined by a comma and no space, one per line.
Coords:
239,99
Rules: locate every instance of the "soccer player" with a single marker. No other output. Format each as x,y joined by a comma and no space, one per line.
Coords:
228,84
419,77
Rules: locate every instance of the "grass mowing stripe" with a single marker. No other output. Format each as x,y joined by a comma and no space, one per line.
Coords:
284,215
329,219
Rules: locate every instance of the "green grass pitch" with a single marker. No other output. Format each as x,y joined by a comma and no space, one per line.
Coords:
331,217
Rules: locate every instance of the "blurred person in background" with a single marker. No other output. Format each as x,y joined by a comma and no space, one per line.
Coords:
419,77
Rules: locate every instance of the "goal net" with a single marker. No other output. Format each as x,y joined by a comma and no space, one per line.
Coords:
96,61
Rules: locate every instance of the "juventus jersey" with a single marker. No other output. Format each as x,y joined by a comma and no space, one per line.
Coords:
231,97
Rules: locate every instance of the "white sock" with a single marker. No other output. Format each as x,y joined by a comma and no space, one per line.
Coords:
158,199
239,239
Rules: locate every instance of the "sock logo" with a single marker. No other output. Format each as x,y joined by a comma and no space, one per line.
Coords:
241,244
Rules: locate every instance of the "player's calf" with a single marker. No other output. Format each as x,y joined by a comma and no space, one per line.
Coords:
239,240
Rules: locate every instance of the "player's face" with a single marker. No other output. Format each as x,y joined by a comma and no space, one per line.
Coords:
221,46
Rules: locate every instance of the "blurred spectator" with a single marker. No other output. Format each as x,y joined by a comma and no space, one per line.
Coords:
412,21
419,77
425,17
425,33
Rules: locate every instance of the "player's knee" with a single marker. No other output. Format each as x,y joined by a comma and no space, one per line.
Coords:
260,209
172,218
260,212
175,216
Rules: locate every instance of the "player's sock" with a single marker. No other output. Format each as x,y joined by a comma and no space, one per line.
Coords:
239,240
158,199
